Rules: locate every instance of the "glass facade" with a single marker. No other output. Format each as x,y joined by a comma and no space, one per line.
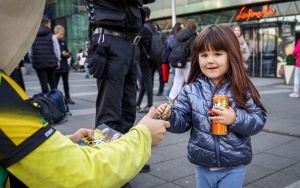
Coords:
71,14
270,28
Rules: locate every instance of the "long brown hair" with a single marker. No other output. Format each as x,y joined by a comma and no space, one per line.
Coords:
217,37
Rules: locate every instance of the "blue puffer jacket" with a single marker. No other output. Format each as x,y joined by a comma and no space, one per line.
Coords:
191,111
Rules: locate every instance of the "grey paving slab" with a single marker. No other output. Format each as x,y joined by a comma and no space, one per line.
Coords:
293,185
266,141
172,151
254,173
276,180
289,150
168,185
273,162
187,182
293,170
172,170
146,180
252,186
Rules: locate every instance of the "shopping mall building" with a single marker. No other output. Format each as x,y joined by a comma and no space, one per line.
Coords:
270,27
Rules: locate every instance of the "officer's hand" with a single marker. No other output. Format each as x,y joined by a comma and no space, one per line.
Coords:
157,128
97,61
82,133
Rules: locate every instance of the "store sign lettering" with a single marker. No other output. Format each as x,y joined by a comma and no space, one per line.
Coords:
251,14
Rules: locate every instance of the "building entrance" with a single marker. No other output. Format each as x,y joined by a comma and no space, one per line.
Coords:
262,44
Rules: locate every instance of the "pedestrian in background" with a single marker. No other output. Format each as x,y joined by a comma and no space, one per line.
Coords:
186,36
64,69
158,62
81,59
296,53
17,75
145,64
217,69
45,56
167,50
113,56
244,46
86,69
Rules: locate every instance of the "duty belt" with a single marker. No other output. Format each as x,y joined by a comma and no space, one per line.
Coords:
130,37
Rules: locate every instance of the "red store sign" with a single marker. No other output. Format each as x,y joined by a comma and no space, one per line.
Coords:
255,14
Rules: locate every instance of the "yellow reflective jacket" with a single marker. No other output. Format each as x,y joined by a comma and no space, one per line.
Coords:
58,162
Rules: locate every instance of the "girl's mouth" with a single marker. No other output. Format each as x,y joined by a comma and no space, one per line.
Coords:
212,68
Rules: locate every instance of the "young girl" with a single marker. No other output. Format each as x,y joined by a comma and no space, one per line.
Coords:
217,68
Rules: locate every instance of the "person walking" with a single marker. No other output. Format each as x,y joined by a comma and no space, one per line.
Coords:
158,63
244,46
64,69
296,53
167,50
45,56
217,69
113,55
86,69
145,64
187,36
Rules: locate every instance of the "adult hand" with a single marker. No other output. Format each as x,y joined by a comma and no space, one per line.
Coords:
157,128
58,66
65,54
82,133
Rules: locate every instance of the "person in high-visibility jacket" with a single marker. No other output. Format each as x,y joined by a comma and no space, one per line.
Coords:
36,153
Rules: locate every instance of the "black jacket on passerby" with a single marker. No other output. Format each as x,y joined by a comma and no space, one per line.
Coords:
145,42
64,66
123,17
43,55
186,35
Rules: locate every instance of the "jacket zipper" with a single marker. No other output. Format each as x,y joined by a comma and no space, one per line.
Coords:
217,146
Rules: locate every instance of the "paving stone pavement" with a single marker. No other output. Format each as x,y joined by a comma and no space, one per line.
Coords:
276,149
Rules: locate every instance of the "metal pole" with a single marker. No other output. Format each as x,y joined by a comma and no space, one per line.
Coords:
173,13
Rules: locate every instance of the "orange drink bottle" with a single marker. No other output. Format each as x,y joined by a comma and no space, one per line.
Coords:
219,128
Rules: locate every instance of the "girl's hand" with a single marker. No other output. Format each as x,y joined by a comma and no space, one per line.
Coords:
164,111
161,108
225,116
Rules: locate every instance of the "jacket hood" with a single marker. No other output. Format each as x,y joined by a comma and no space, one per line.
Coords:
14,15
185,34
43,30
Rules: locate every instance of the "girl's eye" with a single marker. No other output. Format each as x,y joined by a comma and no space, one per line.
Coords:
203,55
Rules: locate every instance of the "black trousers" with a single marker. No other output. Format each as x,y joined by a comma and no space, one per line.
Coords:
146,84
157,66
46,76
116,99
65,79
17,76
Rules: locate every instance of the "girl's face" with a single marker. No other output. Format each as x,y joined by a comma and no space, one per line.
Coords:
214,64
237,31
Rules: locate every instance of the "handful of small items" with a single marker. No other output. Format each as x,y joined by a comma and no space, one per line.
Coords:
165,114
